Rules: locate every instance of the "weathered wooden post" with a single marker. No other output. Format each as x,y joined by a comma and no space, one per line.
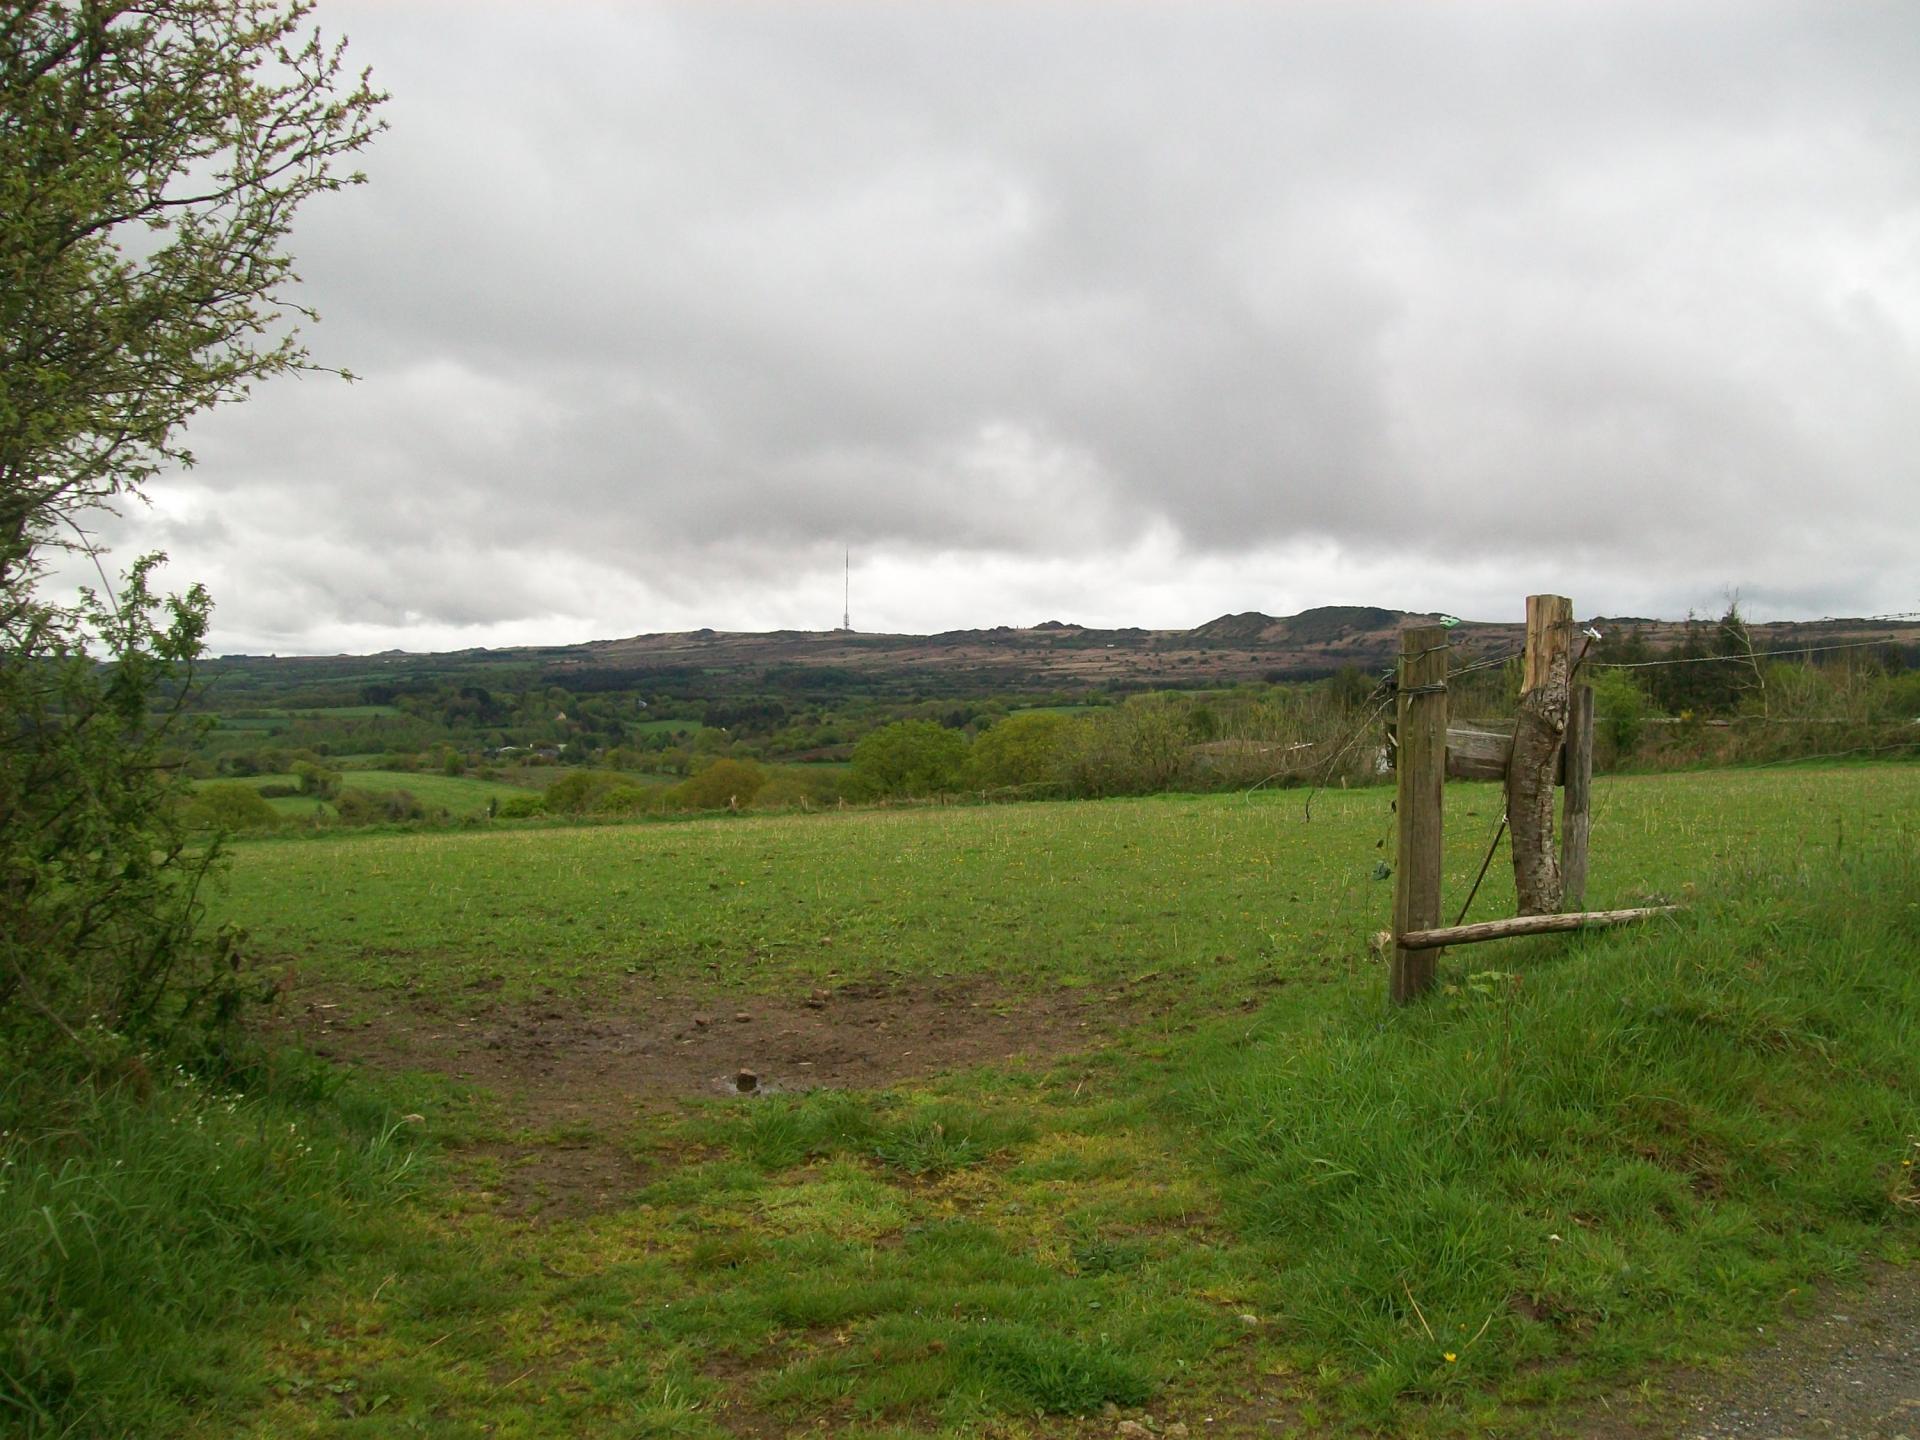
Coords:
1421,766
1538,734
1577,821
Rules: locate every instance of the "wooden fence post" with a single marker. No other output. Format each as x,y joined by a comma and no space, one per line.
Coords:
1577,822
1421,767
1537,736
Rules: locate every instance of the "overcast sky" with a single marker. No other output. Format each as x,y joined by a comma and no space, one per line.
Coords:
1126,315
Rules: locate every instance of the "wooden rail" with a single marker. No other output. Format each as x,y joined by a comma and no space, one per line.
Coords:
1525,925
1475,752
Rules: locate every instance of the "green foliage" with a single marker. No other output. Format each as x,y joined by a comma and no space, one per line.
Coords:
786,792
1021,752
1900,699
1136,748
933,1139
1619,709
152,161
911,757
151,165
315,780
630,799
1243,1168
1055,1373
1720,668
378,807
582,792
916,1139
230,805
139,1220
724,784
100,879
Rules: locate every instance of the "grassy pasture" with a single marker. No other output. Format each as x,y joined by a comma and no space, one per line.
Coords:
1258,1198
1215,889
258,720
667,727
458,795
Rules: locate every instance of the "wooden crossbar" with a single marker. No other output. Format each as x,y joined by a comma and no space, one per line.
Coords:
1526,925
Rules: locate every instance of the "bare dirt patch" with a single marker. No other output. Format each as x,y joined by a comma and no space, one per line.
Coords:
576,1074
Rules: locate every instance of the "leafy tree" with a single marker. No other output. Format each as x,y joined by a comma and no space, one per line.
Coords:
151,164
1620,708
911,757
320,781
1021,750
152,161
1714,668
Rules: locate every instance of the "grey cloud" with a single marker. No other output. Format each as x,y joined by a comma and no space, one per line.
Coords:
696,295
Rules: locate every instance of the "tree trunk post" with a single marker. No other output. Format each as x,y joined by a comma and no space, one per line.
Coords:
1421,768
1577,823
1537,737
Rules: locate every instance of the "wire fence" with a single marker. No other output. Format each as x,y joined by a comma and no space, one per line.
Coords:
1743,657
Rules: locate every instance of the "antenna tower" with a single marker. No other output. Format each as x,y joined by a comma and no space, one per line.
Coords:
846,600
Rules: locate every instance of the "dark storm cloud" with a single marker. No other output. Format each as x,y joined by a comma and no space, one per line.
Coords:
1205,307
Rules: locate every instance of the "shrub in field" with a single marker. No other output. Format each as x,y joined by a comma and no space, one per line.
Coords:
629,800
724,784
1021,752
230,806
910,757
784,792
1900,698
582,792
377,807
1139,748
100,876
312,778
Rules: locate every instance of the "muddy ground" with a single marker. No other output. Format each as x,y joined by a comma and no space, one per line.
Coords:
574,1078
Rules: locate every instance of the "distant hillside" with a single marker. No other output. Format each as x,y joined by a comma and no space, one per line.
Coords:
1052,656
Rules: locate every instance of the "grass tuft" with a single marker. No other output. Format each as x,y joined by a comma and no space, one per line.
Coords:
1623,1151
136,1223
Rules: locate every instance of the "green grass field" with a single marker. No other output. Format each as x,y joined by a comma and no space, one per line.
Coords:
667,727
1250,1196
1223,887
458,795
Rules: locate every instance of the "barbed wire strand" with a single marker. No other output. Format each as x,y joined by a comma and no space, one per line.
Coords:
1386,693
1747,656
1340,754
